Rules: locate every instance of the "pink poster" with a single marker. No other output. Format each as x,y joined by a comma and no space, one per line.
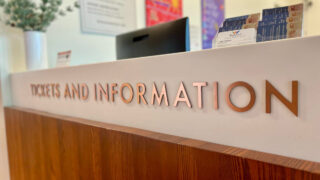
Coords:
158,11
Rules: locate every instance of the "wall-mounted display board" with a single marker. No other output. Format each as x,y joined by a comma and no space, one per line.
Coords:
110,17
212,14
158,11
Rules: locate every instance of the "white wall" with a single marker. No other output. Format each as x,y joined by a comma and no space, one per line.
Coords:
91,48
238,8
311,19
12,44
243,7
65,33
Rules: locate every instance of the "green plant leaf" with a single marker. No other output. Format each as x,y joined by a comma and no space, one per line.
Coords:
27,15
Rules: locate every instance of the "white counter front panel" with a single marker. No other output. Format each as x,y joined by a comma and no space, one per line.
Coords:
279,62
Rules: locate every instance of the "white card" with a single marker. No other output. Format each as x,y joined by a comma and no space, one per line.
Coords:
236,37
63,59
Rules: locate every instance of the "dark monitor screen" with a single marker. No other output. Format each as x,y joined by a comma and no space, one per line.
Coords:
163,38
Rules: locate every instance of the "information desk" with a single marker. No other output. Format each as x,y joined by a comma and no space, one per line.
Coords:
262,97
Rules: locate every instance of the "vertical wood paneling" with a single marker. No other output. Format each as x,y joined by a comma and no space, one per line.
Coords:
51,146
69,150
14,144
44,146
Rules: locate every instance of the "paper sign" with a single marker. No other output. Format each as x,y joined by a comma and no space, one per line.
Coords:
63,59
237,37
110,17
195,38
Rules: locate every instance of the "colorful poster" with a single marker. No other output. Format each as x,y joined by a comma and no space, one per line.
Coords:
159,11
212,14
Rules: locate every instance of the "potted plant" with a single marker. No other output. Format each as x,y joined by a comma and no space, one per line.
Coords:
34,19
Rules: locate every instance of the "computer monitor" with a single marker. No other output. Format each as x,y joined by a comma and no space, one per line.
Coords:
163,38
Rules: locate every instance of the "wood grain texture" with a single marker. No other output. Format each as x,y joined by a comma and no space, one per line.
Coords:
43,146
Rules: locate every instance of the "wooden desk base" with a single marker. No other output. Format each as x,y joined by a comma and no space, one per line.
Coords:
43,146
